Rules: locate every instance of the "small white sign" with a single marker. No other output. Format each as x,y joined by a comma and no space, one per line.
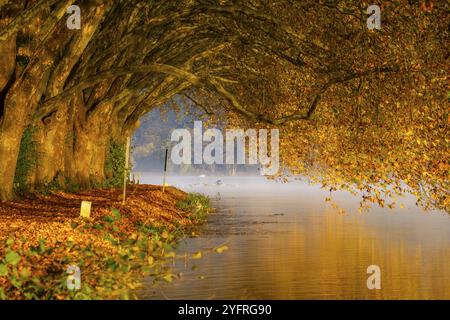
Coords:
85,211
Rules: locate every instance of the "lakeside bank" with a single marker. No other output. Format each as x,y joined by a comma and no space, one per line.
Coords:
43,237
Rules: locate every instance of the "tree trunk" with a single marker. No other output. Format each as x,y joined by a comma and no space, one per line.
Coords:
52,138
8,61
20,101
91,147
55,136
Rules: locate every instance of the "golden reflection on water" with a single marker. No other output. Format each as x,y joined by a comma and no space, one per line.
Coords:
312,252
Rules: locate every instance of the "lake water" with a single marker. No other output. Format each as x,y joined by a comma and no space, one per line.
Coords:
286,242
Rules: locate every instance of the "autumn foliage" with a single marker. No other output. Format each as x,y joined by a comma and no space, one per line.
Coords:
358,109
114,248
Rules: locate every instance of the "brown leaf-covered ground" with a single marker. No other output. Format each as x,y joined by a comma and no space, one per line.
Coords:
50,217
40,236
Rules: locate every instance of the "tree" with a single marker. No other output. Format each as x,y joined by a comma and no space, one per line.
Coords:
337,90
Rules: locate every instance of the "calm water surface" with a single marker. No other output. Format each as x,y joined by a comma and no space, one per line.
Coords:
285,242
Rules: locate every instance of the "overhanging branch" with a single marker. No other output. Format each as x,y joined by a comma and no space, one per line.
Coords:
296,116
50,104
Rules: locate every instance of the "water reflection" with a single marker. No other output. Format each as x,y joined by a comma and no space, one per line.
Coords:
286,243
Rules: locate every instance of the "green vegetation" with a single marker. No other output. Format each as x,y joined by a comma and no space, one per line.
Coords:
59,182
107,271
113,253
71,186
199,205
26,161
114,165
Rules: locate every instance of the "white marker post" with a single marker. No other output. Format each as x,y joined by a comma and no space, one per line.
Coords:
125,171
85,211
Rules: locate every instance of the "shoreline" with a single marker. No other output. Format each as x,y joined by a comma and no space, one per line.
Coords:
41,236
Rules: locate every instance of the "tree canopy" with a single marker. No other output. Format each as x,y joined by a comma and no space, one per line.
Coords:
358,109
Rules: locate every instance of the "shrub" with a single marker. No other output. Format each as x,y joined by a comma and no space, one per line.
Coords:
115,165
197,204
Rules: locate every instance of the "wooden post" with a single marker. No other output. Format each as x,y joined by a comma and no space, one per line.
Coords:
165,170
125,171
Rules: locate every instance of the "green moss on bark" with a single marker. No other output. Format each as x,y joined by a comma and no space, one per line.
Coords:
26,161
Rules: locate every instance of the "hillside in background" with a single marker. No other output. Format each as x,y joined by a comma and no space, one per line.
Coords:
153,137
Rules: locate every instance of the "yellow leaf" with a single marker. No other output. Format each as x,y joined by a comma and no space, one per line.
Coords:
168,278
170,255
221,249
164,234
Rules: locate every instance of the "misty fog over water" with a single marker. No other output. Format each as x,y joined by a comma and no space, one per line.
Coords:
286,242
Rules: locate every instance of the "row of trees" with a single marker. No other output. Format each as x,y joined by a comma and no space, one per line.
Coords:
358,109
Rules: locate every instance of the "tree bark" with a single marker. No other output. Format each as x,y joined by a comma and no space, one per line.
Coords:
8,61
91,146
24,95
52,137
55,133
